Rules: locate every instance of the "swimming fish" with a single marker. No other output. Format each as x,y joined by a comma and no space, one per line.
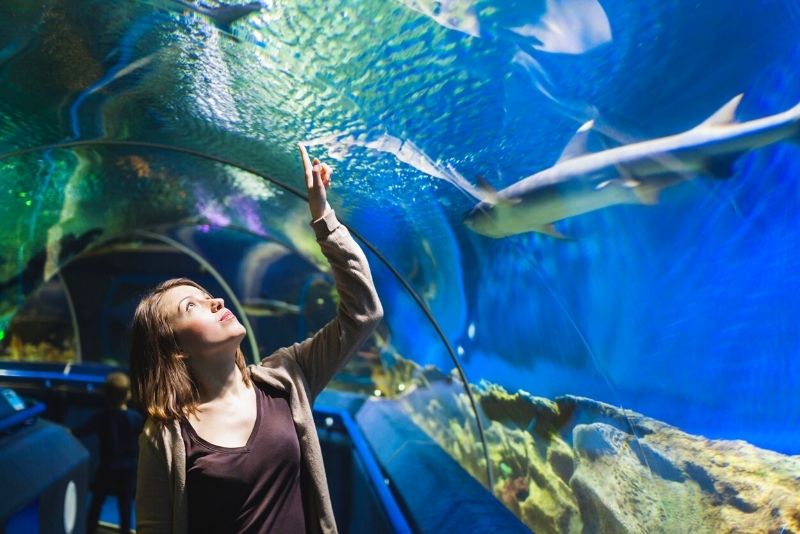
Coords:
35,271
636,173
456,15
224,15
556,26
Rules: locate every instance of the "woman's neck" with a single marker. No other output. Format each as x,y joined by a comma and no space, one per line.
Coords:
220,382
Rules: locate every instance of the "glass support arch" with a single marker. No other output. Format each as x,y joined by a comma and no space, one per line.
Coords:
417,299
73,318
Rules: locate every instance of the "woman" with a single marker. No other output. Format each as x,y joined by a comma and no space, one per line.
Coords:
229,447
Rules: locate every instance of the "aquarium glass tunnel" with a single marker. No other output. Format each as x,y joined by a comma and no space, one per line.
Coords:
582,218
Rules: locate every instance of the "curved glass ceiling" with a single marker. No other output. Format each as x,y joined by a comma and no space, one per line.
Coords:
590,207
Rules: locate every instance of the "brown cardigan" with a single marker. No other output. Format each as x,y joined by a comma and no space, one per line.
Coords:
303,370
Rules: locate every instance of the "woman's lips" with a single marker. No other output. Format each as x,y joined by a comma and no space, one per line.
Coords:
226,315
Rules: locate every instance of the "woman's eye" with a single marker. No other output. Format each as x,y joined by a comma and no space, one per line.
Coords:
189,304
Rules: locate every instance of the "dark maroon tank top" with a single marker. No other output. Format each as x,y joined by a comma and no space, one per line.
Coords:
250,489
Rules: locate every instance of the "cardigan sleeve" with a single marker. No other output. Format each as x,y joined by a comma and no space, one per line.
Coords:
153,487
320,357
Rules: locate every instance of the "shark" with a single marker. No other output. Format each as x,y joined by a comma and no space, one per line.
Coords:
582,181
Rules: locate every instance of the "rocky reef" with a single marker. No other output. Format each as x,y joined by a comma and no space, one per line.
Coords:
573,464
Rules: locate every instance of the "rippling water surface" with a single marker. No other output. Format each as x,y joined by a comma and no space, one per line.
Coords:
119,115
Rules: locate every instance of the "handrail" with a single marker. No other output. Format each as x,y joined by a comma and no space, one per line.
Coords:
21,416
52,376
403,282
379,483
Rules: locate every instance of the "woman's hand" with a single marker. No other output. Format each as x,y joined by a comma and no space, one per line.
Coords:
318,178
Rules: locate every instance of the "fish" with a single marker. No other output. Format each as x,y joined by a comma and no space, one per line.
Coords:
582,181
554,26
567,27
269,308
224,15
339,145
456,15
35,272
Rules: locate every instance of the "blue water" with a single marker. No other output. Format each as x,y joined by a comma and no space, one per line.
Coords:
683,311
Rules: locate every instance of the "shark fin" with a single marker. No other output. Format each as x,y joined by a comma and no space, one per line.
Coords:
724,115
550,229
645,193
577,146
648,196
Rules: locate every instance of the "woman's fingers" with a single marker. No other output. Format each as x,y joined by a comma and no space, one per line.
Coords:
327,172
307,167
317,174
321,173
324,171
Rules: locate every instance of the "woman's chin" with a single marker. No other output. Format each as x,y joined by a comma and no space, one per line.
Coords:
234,327
241,332
233,338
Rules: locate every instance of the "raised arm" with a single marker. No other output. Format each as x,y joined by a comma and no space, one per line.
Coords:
359,311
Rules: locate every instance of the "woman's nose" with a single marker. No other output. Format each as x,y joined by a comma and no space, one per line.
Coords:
217,303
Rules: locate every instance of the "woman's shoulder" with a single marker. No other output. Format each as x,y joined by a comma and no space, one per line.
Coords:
278,369
160,432
280,361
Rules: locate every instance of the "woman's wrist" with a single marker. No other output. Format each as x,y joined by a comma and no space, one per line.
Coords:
318,212
325,225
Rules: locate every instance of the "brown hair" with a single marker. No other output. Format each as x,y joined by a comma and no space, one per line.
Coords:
117,388
163,385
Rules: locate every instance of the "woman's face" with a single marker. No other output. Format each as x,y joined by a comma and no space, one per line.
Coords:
202,324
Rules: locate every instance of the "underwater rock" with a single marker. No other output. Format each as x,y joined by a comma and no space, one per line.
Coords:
574,464
431,373
635,474
616,492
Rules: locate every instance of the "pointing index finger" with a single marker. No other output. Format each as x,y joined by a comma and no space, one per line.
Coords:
306,165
